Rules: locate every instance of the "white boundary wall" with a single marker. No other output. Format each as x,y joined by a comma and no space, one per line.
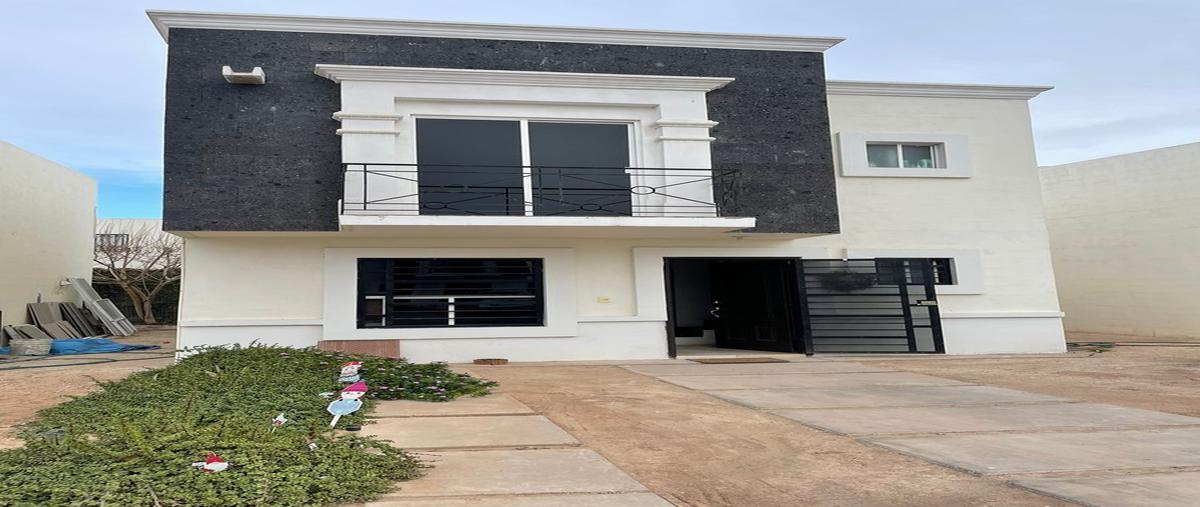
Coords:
47,215
1124,234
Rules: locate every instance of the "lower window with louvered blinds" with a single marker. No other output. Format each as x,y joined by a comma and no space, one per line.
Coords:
452,292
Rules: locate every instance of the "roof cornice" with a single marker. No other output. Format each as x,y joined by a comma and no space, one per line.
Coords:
965,91
165,20
339,73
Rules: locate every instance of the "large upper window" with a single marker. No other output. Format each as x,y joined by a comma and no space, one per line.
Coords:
897,155
449,292
522,167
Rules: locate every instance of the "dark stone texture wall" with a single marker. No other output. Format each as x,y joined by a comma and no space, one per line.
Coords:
265,158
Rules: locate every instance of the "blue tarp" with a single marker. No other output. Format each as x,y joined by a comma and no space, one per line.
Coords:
88,346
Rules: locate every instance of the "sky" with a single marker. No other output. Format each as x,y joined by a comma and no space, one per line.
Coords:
82,81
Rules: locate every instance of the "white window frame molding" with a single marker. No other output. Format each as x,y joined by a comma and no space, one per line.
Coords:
852,155
966,265
341,294
379,106
632,118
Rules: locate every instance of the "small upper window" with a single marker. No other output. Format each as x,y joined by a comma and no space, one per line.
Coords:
941,270
904,155
112,240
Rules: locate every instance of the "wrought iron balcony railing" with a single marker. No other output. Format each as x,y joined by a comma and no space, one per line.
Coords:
496,190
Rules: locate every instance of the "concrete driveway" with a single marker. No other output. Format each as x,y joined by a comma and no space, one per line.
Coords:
1090,453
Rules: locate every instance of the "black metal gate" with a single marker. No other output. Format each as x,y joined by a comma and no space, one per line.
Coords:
870,305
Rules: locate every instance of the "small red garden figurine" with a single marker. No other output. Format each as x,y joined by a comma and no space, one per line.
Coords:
212,463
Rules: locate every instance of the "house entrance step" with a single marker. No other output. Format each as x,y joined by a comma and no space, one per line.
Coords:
804,380
784,368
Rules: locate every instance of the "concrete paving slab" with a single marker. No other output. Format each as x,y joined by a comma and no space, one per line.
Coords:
517,472
800,380
1010,453
574,500
658,370
900,420
1180,489
469,432
880,396
495,404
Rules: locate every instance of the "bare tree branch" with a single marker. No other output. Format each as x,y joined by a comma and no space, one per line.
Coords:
142,262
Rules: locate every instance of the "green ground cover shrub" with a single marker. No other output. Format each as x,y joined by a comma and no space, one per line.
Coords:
134,441
392,379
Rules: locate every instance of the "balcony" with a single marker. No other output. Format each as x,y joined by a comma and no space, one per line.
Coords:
536,200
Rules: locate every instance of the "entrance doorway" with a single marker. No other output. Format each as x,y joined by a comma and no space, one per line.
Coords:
734,303
804,306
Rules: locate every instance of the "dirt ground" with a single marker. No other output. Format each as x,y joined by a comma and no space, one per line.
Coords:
32,384
696,450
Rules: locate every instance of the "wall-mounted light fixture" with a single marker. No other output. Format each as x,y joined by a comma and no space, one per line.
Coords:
254,77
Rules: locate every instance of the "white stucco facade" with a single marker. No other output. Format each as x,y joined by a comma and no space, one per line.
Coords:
1124,232
47,215
605,286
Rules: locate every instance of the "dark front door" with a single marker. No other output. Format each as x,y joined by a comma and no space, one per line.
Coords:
753,302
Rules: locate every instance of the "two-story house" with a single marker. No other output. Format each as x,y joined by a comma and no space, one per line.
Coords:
451,191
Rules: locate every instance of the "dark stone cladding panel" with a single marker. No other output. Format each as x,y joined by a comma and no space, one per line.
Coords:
265,158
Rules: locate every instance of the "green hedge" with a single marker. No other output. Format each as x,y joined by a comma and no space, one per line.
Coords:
133,441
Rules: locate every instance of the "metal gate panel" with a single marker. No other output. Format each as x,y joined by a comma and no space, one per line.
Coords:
870,305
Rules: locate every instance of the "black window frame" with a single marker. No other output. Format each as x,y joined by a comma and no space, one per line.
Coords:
942,270
445,292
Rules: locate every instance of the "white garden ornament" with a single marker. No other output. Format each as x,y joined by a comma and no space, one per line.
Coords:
278,421
350,372
348,403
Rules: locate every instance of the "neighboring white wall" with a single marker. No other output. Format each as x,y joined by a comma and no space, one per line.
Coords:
47,215
990,222
1125,232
